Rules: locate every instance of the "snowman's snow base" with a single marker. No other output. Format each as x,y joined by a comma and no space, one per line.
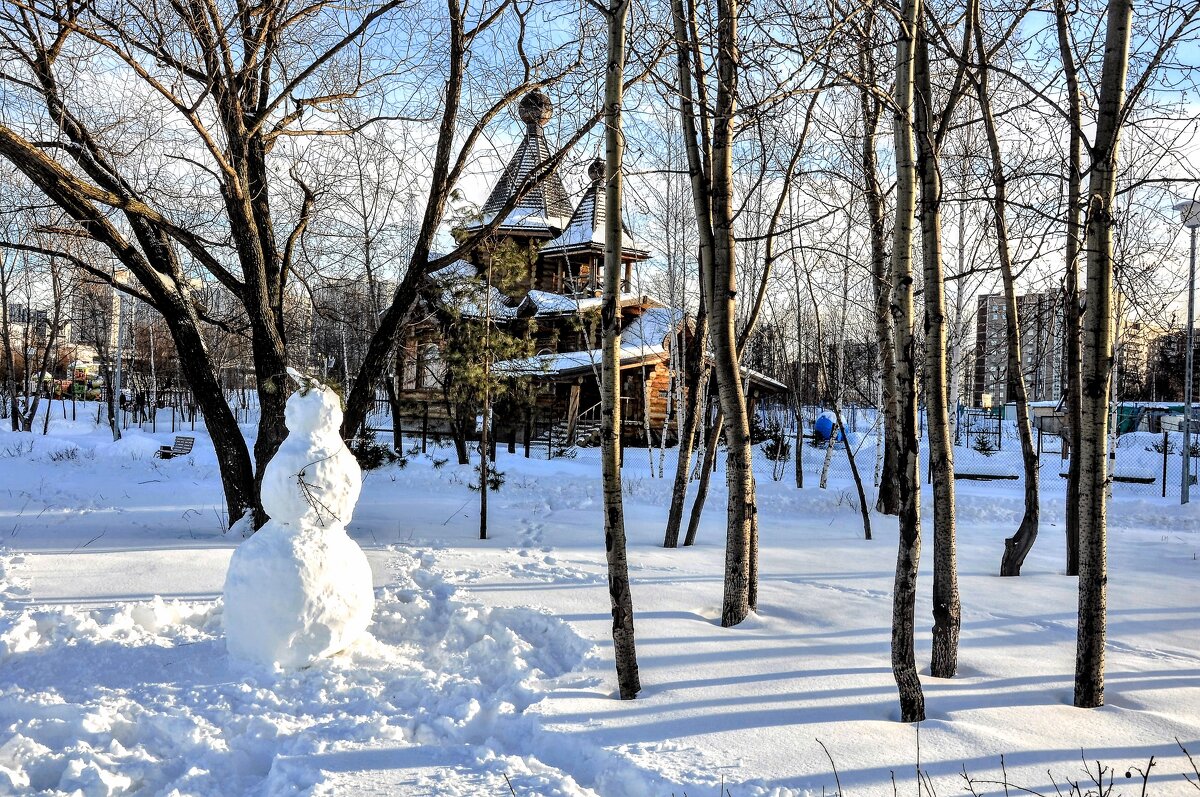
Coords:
295,596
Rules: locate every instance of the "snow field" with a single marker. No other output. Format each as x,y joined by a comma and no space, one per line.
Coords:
492,659
142,699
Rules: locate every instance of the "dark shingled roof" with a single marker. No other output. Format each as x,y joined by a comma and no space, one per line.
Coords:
585,231
544,208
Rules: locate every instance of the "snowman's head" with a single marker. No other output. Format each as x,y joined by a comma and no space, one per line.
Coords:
314,409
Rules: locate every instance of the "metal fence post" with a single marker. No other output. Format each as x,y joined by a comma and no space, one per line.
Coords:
425,428
1166,448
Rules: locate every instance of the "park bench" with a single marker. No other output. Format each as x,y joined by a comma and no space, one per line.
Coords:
182,447
985,477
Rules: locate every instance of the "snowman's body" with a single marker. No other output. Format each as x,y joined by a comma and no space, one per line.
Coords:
300,588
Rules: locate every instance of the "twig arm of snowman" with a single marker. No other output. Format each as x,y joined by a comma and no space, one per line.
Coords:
307,490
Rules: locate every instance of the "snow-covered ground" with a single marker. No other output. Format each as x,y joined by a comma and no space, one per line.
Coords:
489,666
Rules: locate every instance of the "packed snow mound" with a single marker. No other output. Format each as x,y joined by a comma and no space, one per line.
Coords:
36,446
132,445
307,591
300,589
139,699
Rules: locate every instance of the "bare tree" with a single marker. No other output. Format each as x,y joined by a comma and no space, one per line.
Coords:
1097,361
610,385
930,126
246,100
1016,547
870,109
904,595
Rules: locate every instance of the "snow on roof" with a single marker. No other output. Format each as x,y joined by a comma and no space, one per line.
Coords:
652,328
626,299
460,286
544,303
570,362
458,270
585,230
644,338
547,303
763,379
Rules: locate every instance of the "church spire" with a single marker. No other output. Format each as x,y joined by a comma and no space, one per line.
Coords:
585,231
543,210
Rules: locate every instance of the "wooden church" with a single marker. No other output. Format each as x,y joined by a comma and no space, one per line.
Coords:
556,292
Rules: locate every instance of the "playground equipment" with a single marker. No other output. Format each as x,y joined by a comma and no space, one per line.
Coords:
824,426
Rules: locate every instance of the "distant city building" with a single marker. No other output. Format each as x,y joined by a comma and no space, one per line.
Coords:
1042,349
1135,345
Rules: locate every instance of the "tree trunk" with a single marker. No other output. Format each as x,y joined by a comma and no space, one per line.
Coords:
908,557
485,428
6,342
1072,319
721,290
799,441
610,388
946,608
233,457
887,499
1016,547
389,385
823,483
706,468
1097,362
694,367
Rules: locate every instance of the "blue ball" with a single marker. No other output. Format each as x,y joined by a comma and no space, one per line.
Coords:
824,426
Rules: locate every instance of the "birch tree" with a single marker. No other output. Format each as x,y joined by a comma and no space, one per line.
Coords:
904,594
1097,361
610,387
930,126
1016,547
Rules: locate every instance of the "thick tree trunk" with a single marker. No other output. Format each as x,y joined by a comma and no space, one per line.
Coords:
610,389
946,609
908,557
270,369
233,457
1097,363
712,196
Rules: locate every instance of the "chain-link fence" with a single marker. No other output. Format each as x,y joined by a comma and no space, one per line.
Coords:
1142,464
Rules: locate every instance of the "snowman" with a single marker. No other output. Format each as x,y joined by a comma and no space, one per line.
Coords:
300,588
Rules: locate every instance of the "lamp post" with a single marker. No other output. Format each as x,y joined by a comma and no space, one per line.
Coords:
1190,214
